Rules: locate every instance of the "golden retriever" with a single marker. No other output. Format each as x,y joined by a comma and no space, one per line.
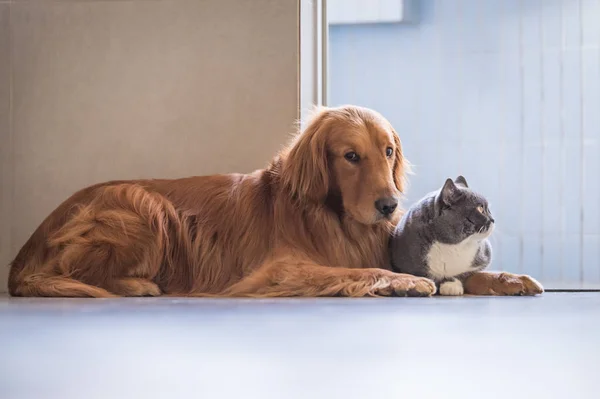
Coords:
315,222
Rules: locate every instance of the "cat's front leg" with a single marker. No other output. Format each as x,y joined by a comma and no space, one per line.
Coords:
451,287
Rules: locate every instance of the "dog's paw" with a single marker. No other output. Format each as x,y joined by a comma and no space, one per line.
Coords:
515,284
486,283
405,285
453,287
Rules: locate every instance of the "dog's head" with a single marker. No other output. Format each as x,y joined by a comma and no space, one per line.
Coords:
350,156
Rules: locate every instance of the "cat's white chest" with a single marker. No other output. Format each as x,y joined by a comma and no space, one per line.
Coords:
449,260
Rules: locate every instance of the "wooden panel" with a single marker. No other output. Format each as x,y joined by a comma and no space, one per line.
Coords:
132,89
6,146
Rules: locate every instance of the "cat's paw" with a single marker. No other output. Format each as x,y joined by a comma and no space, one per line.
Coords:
488,283
453,287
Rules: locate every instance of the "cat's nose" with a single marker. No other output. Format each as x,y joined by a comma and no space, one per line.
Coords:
387,205
491,221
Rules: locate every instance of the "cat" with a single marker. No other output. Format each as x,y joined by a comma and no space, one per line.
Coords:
444,237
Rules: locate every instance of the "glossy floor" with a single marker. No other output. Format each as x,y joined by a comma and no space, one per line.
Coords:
547,347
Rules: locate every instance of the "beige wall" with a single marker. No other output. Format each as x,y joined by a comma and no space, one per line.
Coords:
98,90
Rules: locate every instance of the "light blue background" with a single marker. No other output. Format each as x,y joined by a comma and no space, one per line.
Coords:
507,93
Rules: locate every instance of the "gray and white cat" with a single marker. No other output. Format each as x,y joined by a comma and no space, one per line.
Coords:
444,237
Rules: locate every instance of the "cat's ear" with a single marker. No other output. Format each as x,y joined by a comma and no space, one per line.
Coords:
448,193
462,181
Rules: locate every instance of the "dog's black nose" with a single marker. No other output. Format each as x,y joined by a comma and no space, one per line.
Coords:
386,206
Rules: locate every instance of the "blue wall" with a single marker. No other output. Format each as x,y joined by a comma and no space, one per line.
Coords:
507,93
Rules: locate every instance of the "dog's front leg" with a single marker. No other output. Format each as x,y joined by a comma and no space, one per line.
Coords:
289,277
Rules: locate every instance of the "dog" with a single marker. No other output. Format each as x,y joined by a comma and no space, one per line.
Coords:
315,222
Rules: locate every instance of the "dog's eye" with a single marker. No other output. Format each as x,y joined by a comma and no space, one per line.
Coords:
352,157
389,151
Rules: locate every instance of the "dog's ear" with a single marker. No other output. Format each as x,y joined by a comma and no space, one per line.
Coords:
401,165
304,169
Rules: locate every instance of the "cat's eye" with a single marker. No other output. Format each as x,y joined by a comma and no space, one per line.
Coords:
389,152
481,209
352,157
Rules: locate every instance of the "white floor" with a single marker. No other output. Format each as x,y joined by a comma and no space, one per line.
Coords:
513,347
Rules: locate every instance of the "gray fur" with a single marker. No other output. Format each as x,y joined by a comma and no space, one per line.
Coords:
447,216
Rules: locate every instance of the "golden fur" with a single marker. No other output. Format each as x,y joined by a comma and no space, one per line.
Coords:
304,226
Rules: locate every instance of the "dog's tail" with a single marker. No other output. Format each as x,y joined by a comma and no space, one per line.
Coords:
56,286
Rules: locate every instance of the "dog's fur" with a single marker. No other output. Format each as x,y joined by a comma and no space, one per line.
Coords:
304,226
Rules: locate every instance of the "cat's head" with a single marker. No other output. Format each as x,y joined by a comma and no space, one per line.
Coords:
461,212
